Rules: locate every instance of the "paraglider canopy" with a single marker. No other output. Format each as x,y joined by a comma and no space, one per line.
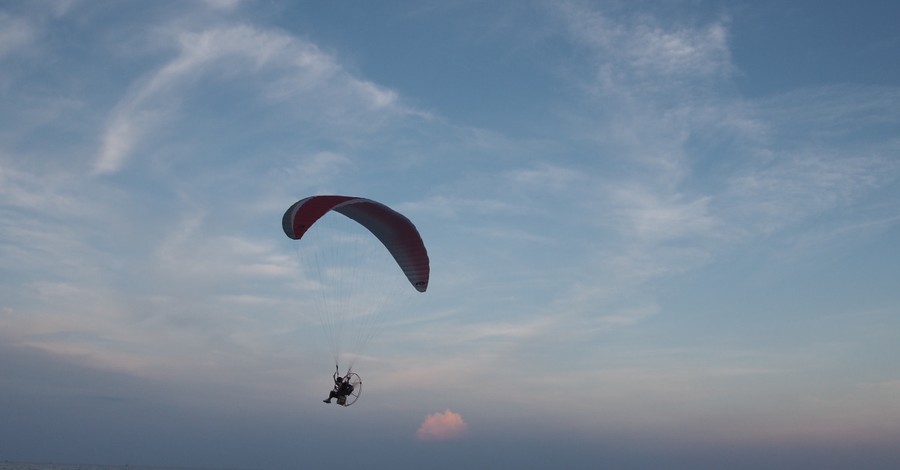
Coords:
394,230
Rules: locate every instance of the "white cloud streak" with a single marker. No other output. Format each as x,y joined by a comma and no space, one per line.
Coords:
286,66
643,55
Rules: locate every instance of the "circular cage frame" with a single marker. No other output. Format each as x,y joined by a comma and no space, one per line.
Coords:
356,382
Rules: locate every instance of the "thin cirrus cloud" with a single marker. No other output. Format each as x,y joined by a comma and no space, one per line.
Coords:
442,426
285,67
643,55
648,73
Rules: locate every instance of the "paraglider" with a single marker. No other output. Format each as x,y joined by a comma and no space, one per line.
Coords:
336,268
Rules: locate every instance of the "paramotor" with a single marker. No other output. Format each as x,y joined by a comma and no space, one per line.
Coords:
354,381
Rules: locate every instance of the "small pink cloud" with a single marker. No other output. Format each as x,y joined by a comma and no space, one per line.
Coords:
441,426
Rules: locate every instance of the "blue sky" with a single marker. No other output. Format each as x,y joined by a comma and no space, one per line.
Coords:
661,233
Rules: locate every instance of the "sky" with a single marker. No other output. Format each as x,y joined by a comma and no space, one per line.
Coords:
661,234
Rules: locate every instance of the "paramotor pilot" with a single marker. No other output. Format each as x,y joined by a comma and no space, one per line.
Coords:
342,388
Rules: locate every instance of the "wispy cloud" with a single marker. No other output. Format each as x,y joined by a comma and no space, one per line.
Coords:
652,217
227,5
546,175
800,186
667,191
15,34
642,54
447,206
284,67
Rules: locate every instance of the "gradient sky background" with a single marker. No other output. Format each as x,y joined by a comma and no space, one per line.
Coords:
661,233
